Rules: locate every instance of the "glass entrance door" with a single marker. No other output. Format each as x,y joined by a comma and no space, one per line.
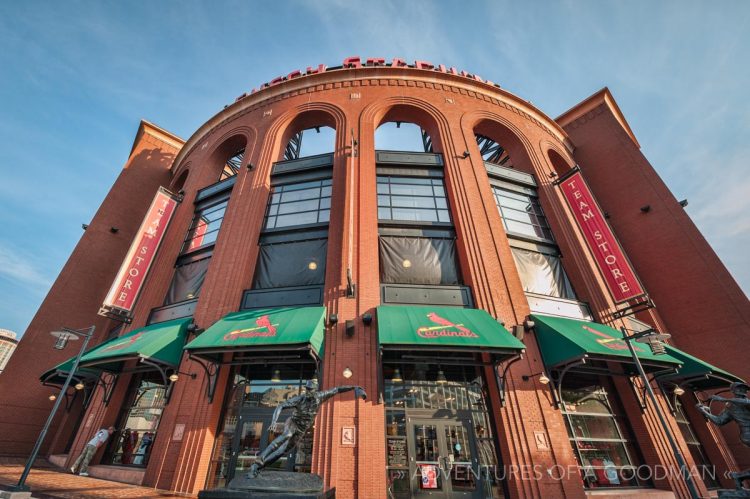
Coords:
443,460
250,438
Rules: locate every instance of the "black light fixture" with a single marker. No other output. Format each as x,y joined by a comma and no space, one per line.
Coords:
684,203
84,226
114,230
333,319
350,328
398,124
466,154
367,318
552,174
646,208
250,166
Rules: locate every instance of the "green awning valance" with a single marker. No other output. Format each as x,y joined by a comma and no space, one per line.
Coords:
697,374
158,343
58,374
262,331
443,329
565,341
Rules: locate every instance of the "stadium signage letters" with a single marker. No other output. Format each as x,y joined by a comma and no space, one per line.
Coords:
356,62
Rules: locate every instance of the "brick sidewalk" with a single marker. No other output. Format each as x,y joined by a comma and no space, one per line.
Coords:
47,481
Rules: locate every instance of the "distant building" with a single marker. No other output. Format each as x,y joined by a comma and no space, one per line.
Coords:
8,343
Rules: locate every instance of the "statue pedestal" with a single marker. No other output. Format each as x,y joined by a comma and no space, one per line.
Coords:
272,484
734,494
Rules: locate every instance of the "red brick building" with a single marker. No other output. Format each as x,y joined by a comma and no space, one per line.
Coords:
411,274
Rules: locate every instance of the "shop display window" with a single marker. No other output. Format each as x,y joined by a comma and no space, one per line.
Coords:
133,440
244,429
600,435
706,469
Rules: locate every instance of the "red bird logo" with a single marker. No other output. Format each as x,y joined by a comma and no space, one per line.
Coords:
441,330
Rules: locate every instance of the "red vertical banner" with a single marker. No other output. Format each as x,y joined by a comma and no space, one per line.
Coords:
619,275
135,267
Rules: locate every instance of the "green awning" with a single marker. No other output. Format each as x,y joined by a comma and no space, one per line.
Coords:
158,344
58,374
565,341
264,331
444,329
697,374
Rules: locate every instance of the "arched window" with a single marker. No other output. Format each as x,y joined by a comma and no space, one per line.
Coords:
399,136
533,246
310,142
291,264
233,164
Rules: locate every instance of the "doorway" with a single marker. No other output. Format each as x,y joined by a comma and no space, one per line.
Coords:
443,461
440,441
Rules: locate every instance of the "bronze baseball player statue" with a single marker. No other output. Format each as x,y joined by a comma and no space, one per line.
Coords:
737,409
306,407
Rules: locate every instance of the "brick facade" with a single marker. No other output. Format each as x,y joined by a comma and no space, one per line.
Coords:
675,264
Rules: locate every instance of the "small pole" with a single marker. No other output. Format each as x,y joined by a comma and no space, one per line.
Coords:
684,471
21,485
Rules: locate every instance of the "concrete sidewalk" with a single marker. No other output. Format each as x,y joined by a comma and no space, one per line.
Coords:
47,481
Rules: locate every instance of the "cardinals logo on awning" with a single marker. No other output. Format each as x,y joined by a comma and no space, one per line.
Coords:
123,344
263,328
445,328
610,342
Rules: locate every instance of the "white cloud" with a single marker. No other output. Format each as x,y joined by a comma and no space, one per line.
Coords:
22,269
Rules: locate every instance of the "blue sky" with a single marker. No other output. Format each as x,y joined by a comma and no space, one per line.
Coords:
76,78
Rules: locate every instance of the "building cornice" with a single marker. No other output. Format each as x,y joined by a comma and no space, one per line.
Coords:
601,98
148,128
374,76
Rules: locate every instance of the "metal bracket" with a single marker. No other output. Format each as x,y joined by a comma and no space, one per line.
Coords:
212,373
635,308
108,386
501,378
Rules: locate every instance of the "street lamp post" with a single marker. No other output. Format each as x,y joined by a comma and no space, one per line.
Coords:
653,339
63,337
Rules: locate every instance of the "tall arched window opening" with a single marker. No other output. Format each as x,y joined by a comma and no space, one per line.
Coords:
293,244
533,245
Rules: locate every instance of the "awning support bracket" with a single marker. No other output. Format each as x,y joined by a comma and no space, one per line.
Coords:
212,374
108,385
501,379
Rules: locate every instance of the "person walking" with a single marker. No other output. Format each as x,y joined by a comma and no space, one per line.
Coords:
82,463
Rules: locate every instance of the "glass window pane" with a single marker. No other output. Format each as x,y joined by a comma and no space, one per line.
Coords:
384,213
325,191
273,209
298,206
270,222
440,202
439,190
411,190
411,202
324,215
309,217
325,203
444,216
417,215
300,185
299,195
382,188
384,200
